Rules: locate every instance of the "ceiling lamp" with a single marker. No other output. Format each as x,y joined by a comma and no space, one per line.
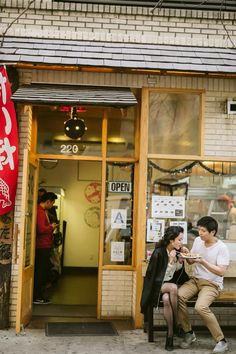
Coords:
74,127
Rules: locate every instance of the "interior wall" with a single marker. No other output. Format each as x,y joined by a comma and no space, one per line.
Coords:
80,208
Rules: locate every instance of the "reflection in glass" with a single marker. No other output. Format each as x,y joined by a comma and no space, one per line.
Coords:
174,123
119,214
121,126
52,138
209,188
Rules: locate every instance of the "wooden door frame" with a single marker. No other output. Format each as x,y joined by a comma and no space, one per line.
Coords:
28,272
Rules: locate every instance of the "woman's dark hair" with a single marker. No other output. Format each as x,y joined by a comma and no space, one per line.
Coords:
48,196
209,223
170,234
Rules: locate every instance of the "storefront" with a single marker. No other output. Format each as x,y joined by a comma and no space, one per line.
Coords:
156,143
133,156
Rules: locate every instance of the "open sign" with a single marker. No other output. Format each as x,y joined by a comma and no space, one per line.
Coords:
120,187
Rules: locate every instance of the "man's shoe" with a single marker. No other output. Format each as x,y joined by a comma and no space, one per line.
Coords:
189,338
221,347
41,302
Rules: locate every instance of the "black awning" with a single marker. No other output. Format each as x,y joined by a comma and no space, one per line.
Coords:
74,95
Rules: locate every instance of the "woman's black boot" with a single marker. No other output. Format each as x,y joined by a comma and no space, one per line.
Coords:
169,344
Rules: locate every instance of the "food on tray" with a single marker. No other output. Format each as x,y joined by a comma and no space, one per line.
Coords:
190,255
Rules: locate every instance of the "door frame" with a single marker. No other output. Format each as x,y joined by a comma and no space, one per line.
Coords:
26,274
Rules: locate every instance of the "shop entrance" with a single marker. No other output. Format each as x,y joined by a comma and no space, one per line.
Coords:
74,272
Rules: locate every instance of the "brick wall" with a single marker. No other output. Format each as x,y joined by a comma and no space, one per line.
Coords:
24,133
117,290
122,23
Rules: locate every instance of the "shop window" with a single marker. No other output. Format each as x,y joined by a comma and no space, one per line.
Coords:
118,214
184,191
121,127
51,131
174,123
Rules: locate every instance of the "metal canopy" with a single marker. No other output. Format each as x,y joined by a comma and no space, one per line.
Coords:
74,95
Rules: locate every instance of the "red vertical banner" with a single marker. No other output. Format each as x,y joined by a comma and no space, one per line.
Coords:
8,146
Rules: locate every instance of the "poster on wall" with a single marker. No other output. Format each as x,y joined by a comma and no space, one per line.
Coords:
184,225
118,219
117,251
155,230
168,207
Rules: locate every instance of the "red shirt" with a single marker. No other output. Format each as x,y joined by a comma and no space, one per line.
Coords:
44,230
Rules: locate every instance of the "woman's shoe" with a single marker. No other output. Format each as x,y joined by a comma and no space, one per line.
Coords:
169,344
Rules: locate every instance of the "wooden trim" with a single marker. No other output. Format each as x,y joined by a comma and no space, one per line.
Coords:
176,90
202,123
192,158
69,157
102,213
21,246
117,267
155,72
141,206
34,134
121,159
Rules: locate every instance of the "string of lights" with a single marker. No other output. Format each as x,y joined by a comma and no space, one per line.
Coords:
187,168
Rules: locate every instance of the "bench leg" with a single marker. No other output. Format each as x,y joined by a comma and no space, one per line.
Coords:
150,324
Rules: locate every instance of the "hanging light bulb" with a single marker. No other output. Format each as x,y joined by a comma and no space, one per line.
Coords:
74,127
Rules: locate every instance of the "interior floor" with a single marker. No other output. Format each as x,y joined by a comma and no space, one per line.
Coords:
75,286
73,299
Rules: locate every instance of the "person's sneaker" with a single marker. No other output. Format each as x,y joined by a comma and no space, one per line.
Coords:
41,302
221,347
189,338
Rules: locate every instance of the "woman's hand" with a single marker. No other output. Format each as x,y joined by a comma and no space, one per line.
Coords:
172,256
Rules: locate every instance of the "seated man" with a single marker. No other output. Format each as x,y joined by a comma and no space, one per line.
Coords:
206,283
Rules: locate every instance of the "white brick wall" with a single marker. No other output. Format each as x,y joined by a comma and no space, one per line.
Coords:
117,293
25,121
45,18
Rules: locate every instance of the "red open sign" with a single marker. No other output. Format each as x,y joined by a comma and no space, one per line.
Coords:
8,146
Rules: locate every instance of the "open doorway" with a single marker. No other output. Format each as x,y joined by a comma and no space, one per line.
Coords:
77,184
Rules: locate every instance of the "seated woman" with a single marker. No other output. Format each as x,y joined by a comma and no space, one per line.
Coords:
165,271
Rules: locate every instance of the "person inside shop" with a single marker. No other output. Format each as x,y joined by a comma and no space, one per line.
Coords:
210,257
41,192
44,243
164,272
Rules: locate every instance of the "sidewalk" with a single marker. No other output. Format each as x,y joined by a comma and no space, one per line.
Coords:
127,342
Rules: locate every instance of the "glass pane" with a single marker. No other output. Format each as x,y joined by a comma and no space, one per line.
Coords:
28,218
208,188
174,123
121,131
51,131
119,214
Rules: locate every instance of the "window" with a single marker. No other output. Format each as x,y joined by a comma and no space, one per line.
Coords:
174,123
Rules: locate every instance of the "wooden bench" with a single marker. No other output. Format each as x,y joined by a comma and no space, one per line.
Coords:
226,299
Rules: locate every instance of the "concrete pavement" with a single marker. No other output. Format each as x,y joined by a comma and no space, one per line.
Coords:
127,342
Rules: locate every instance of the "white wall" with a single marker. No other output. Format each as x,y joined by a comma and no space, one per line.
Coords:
82,240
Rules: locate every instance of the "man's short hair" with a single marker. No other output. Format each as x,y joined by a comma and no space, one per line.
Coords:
209,223
48,196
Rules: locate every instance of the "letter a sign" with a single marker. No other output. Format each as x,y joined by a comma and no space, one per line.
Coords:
8,146
118,218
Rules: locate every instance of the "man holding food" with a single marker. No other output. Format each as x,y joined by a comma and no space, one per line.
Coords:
210,257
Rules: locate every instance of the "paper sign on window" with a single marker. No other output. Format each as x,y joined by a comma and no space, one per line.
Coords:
117,251
168,207
155,230
118,218
183,224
